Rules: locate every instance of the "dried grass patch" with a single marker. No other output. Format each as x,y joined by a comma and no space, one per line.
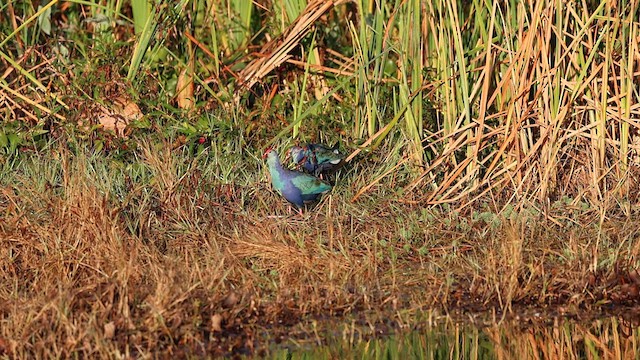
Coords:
181,263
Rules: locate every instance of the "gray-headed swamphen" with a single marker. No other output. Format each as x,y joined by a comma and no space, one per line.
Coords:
297,187
317,159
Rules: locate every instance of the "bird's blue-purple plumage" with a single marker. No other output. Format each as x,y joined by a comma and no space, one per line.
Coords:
297,187
316,158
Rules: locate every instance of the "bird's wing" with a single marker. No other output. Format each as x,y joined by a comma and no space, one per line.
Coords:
309,184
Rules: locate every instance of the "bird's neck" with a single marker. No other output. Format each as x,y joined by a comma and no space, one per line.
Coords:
275,168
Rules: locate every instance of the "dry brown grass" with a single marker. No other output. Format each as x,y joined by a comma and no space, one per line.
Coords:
180,263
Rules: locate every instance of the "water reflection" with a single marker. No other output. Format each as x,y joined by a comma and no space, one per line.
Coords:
559,338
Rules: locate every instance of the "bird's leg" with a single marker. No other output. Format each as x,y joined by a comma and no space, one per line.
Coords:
297,211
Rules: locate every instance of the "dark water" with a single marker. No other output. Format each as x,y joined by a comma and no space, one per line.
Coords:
612,337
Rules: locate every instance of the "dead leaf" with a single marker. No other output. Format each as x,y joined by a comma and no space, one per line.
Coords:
216,322
131,111
184,89
230,300
180,140
109,330
121,113
4,346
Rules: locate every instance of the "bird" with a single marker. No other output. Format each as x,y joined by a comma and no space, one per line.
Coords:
317,159
297,187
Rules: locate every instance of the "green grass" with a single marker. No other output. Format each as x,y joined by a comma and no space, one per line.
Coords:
477,103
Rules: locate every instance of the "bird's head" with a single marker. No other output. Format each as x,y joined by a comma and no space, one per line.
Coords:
267,151
296,153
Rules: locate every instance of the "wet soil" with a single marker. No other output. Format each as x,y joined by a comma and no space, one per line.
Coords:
245,326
